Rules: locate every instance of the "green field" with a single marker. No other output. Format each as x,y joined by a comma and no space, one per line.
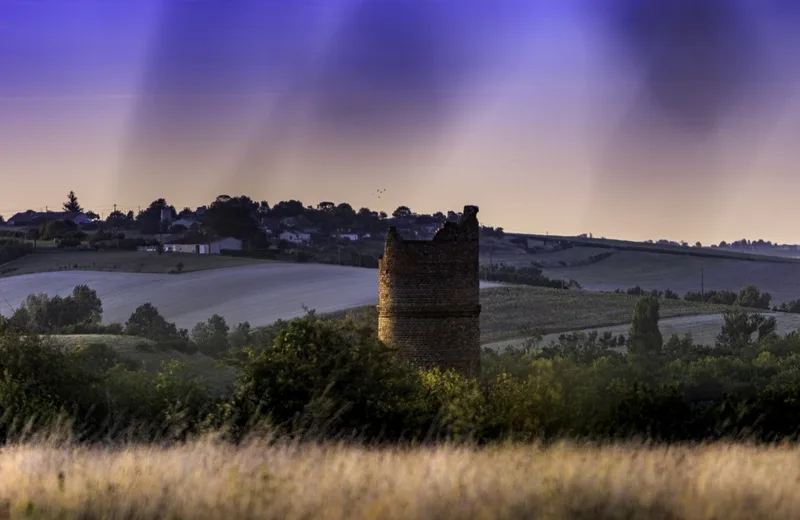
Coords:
703,328
514,311
218,377
118,261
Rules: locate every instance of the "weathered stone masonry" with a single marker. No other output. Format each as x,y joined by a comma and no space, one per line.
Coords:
429,293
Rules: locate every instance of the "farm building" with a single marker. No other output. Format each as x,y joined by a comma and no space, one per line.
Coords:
295,238
353,237
213,246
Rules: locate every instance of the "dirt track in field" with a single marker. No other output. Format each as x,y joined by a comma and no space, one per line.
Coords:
259,294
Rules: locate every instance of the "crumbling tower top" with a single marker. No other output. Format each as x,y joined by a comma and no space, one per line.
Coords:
429,295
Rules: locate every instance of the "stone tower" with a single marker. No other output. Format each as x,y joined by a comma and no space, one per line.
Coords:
429,296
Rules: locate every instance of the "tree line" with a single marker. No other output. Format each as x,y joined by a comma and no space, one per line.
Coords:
332,378
750,297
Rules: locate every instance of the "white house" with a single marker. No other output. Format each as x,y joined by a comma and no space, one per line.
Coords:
295,237
212,247
353,237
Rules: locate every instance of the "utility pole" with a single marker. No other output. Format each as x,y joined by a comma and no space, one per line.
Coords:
702,285
491,261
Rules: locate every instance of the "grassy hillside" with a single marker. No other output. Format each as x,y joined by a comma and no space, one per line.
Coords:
215,481
514,311
218,377
510,312
625,269
677,250
259,293
118,261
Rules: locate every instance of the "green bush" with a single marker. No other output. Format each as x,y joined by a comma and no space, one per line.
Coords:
39,313
211,336
324,377
12,249
43,382
147,322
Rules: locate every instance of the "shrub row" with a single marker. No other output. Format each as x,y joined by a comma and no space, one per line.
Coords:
332,378
11,249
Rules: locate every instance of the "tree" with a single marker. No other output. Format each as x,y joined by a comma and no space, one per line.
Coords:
116,218
233,217
752,297
92,215
58,229
149,219
148,323
2,220
83,306
402,212
326,206
211,336
239,337
42,314
72,203
345,212
645,337
739,326
288,208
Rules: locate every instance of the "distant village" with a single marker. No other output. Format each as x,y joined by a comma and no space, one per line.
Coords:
229,224
239,223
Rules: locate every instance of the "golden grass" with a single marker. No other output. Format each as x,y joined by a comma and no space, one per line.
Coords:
206,480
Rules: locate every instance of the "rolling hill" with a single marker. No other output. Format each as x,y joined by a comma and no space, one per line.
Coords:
682,273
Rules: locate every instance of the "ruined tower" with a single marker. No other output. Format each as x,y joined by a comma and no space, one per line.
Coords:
429,296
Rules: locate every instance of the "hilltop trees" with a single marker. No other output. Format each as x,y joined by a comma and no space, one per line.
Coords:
149,219
233,217
72,203
402,212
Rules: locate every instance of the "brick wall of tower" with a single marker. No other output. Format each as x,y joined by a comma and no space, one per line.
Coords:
429,296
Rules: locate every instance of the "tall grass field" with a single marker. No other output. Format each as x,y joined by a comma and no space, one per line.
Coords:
208,480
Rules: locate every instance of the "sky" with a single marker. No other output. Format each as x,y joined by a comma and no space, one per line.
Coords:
636,119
